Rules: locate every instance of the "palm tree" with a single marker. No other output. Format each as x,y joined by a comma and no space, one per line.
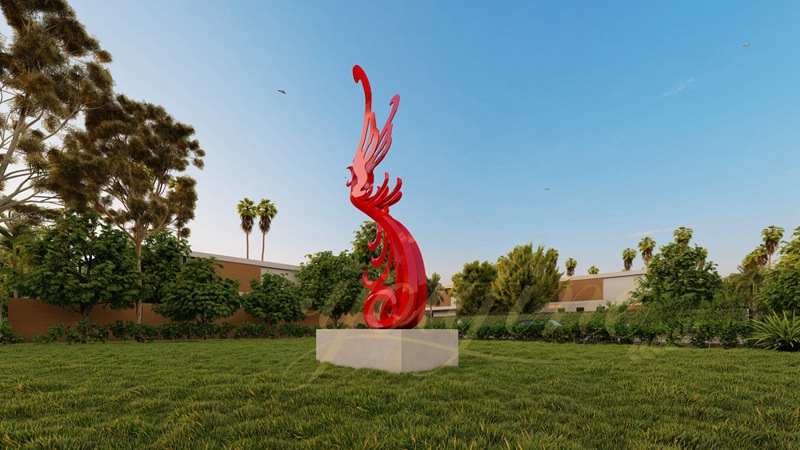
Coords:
593,270
247,214
266,211
646,246
772,237
628,255
435,297
682,236
571,264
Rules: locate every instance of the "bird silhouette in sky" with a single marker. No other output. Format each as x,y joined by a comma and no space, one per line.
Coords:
281,91
746,45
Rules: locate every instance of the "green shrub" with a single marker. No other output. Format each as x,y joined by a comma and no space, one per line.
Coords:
497,331
54,334
253,330
777,333
123,330
595,331
528,331
145,333
7,337
225,330
293,330
463,328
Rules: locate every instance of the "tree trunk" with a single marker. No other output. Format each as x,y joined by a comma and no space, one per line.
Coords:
247,240
139,282
263,239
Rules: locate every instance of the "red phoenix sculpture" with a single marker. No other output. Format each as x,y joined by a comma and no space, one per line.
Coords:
401,305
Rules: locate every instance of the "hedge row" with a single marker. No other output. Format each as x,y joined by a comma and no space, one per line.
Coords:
610,328
130,331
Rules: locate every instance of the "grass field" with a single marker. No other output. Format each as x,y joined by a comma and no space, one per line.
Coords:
273,394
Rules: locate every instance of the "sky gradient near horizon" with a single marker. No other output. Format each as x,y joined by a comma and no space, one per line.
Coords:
578,125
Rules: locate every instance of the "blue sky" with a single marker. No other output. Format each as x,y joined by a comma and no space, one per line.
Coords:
639,117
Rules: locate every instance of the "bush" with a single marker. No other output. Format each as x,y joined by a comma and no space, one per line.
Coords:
777,333
145,333
493,332
253,330
123,330
528,331
7,337
293,330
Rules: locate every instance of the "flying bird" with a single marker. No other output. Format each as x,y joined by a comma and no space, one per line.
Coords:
546,189
746,45
281,91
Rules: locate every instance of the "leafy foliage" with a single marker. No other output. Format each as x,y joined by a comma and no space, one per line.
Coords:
781,291
126,166
593,270
772,236
247,214
571,264
628,255
473,287
274,299
646,247
80,263
777,333
434,288
364,256
790,252
679,278
163,254
527,280
331,283
51,70
200,294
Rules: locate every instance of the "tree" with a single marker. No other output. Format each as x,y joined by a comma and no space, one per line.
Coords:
163,255
16,237
628,255
676,281
682,236
772,237
247,215
527,280
200,294
593,270
362,254
790,252
266,211
646,247
571,264
435,288
748,283
125,166
781,291
331,283
781,288
51,71
274,299
472,287
80,263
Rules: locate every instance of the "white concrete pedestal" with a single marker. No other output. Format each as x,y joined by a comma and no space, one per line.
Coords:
413,350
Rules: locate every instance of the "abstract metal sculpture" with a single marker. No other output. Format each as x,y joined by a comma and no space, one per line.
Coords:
403,305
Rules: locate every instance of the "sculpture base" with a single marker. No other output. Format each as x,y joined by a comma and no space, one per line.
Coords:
396,351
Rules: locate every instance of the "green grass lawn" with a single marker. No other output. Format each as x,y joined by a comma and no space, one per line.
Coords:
273,394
